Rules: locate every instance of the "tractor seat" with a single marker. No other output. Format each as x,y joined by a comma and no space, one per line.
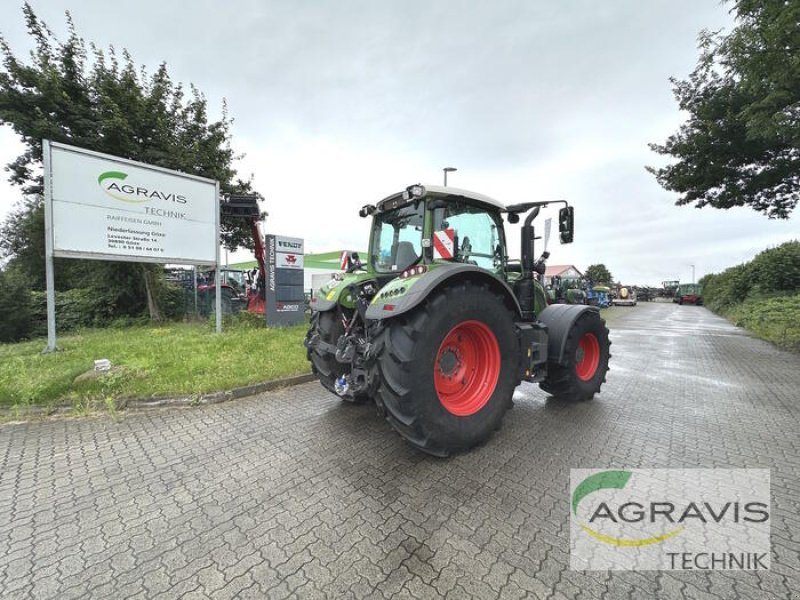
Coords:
405,255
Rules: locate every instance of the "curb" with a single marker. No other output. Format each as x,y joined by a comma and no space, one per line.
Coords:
166,401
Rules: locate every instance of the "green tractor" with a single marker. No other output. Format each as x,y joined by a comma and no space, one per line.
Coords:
439,325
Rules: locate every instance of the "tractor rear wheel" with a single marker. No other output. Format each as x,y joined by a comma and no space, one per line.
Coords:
328,324
586,360
447,369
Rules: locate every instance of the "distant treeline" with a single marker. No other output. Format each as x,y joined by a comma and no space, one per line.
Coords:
762,295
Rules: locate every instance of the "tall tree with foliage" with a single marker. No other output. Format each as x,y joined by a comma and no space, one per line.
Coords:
82,95
598,274
741,143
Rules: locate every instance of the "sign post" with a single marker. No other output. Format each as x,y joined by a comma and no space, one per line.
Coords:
103,207
48,250
284,285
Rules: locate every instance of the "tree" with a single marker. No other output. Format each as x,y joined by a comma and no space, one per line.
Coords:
741,143
15,299
598,274
99,100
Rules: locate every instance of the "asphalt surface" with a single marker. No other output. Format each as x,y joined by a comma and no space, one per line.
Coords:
293,493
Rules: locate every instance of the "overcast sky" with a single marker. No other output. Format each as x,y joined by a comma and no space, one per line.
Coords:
339,104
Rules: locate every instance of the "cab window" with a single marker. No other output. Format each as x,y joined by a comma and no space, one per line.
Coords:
478,236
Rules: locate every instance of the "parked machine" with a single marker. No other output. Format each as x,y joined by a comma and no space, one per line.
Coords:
566,291
233,289
689,293
241,288
625,296
597,295
438,325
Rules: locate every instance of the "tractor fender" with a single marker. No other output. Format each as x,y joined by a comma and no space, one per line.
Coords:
438,278
319,303
559,319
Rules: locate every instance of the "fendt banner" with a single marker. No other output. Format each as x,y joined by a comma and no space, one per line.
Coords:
111,208
285,293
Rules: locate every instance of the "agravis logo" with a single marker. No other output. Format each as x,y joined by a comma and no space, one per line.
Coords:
613,480
112,183
650,519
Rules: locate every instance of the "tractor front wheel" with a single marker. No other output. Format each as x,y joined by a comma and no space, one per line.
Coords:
447,369
586,354
329,326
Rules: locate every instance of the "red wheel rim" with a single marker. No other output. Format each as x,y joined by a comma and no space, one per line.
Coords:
587,357
467,368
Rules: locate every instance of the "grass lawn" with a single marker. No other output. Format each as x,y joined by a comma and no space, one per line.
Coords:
154,360
171,359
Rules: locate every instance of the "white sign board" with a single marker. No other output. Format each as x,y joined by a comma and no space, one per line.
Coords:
112,208
289,261
288,245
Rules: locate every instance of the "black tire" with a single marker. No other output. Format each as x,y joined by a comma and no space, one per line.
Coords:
563,380
329,326
226,297
407,349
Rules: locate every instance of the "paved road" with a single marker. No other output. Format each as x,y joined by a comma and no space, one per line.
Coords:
295,494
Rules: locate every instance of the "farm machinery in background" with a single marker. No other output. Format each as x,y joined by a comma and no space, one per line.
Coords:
689,293
668,289
240,290
437,325
566,290
625,296
597,295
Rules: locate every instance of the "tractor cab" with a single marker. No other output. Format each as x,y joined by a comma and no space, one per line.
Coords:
423,225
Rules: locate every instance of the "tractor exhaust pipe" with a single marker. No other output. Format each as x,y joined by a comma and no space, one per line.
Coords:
527,250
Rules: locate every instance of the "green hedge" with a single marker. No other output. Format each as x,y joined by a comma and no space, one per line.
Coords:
15,309
762,295
774,319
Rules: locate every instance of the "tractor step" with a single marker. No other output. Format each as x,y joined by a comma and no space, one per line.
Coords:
533,351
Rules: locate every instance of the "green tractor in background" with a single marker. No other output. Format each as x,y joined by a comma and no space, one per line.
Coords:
566,290
439,325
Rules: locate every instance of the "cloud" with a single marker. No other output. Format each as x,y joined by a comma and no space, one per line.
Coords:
340,104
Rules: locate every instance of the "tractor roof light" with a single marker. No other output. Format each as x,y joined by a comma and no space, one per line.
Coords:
414,271
414,191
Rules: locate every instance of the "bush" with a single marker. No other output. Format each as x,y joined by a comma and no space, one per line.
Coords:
777,270
15,309
775,319
762,295
724,290
79,307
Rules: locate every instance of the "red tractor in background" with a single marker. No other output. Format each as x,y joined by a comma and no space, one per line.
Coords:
239,289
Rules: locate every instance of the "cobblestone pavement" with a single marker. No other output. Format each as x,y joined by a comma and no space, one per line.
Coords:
293,493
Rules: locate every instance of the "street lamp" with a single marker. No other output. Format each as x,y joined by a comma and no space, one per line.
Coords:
446,171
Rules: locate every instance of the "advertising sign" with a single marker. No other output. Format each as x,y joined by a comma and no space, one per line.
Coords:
103,207
112,208
290,261
285,293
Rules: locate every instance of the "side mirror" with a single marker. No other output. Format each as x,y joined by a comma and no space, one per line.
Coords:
566,224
